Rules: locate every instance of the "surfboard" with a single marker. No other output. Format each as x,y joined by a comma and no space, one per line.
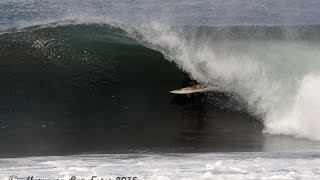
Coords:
192,89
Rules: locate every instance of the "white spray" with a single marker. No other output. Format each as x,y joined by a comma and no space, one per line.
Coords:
276,79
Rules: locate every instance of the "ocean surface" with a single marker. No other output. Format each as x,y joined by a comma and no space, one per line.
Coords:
84,89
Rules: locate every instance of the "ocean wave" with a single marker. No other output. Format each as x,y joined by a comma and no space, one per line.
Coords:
267,67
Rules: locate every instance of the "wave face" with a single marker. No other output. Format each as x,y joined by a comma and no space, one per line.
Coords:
273,70
268,58
91,88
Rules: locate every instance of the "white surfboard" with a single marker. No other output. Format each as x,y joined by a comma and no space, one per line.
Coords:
192,89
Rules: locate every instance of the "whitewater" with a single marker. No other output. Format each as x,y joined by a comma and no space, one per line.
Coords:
278,80
170,166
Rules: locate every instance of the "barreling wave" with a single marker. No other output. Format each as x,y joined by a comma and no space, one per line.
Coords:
274,70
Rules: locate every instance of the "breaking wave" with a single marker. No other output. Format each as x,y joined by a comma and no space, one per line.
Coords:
274,70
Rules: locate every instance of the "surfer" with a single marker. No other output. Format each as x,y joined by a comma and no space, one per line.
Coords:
194,84
194,88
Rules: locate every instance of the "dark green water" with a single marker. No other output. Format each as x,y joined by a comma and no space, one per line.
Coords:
78,88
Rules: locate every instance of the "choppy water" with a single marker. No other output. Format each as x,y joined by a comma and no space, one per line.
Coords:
168,166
